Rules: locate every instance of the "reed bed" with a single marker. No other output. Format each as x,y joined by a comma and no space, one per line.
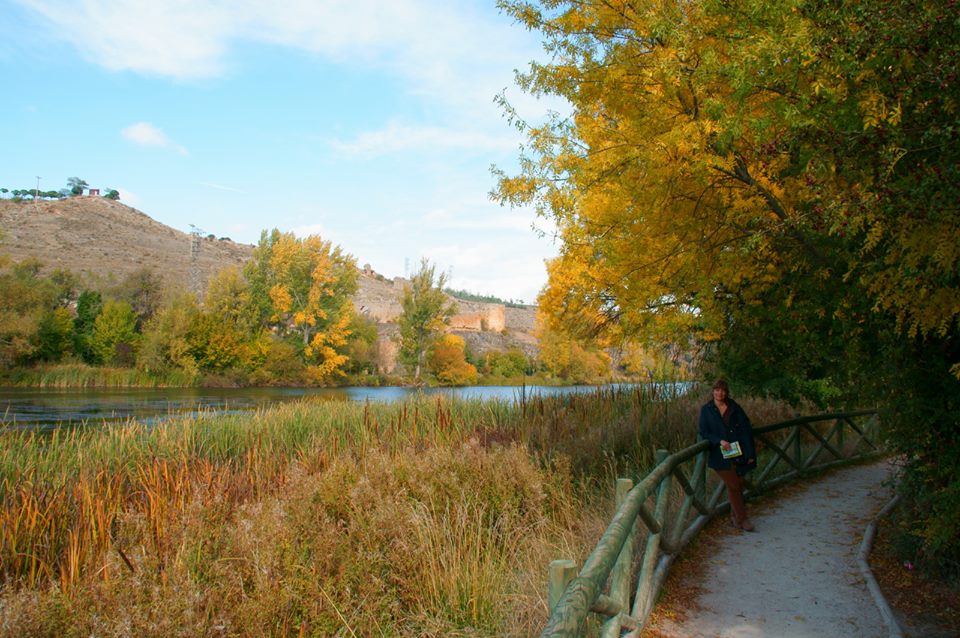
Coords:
79,375
428,517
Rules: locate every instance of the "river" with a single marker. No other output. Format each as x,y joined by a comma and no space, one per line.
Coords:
47,408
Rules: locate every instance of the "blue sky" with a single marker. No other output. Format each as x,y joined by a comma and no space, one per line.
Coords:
368,122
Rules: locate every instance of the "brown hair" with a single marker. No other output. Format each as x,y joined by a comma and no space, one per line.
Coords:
721,384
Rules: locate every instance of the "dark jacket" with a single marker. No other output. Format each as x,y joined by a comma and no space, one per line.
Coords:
713,430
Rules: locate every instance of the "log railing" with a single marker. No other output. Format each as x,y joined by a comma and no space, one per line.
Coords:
615,590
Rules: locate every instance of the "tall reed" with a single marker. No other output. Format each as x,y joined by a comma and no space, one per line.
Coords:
79,375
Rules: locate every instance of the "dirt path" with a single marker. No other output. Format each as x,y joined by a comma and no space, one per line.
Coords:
797,575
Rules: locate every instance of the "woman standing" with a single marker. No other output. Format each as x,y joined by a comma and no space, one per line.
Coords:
725,425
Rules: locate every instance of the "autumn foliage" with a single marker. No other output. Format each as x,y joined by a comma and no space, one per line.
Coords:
775,181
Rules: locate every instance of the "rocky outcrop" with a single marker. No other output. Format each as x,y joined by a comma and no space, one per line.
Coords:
483,326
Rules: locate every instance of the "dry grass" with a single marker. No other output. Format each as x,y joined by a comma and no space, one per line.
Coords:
424,518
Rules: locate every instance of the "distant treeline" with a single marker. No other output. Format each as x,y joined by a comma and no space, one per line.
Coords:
286,318
75,186
470,296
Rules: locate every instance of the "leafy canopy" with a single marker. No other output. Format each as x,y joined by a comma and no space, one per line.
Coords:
425,309
303,287
778,179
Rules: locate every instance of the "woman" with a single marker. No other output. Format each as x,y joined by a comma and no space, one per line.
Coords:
723,423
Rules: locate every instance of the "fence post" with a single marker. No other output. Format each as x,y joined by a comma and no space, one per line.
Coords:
797,448
620,576
561,573
620,582
643,600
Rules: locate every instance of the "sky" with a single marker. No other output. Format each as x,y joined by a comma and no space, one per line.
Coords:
371,123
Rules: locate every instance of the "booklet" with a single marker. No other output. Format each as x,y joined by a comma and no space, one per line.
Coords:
733,452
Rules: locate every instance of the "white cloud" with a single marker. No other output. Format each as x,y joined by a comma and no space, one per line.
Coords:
129,198
146,134
396,137
321,230
449,51
509,270
176,38
479,218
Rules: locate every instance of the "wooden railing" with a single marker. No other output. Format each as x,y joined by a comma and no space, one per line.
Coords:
615,590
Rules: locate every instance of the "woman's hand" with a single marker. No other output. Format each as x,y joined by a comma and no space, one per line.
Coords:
725,444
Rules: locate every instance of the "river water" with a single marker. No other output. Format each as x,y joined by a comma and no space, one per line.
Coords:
46,408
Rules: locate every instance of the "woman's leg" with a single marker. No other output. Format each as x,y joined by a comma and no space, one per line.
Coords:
734,485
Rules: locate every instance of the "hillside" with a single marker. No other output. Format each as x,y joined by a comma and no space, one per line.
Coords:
97,237
100,239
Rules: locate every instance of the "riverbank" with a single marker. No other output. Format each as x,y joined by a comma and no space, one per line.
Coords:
79,375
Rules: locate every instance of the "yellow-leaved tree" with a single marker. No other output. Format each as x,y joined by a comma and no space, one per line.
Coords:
301,288
776,179
447,359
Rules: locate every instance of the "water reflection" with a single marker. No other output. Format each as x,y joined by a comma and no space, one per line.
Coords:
45,408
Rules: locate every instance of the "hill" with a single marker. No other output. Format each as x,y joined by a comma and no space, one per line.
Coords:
95,238
103,240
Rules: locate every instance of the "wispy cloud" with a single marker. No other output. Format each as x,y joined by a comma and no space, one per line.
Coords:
479,218
457,54
129,198
397,137
177,38
504,269
146,134
315,229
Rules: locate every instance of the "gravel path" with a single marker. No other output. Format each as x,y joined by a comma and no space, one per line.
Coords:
796,576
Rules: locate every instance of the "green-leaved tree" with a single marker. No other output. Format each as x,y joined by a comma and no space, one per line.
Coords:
425,310
115,337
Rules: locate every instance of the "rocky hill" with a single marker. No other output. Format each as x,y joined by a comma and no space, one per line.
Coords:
102,240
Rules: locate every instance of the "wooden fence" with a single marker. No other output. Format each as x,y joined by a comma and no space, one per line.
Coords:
616,589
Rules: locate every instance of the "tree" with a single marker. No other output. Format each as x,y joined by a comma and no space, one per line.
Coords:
76,186
26,298
143,290
303,287
115,338
573,359
54,335
165,345
89,305
216,345
228,297
112,194
510,364
776,179
425,309
361,347
447,360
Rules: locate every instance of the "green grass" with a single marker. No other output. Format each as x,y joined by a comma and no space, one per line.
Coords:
428,517
79,375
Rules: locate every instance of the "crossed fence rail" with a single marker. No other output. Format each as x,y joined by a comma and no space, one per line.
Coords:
619,585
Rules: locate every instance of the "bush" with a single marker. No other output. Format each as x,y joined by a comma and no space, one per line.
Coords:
447,360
